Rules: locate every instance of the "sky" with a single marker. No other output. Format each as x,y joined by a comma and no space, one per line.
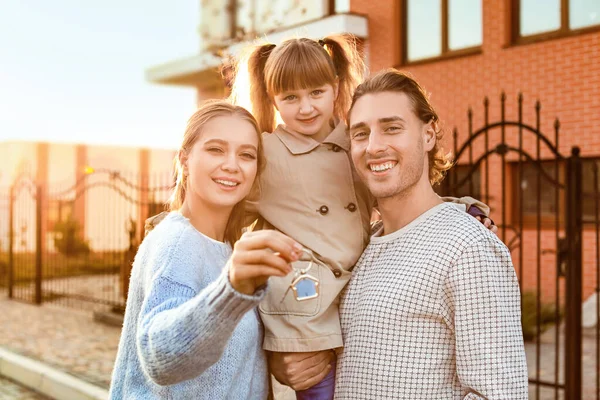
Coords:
72,71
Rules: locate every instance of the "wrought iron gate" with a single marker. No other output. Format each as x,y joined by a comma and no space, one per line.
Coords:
538,201
74,246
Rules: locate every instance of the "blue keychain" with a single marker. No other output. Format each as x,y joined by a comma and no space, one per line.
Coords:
304,286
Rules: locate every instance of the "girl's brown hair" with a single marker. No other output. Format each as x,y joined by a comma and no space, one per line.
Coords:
301,63
392,80
207,111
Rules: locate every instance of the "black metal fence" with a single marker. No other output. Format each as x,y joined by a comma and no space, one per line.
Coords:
549,223
74,246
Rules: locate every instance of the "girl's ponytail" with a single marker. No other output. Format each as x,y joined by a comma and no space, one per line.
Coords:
349,67
262,105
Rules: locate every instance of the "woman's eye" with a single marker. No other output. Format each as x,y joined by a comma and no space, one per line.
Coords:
215,150
317,92
249,156
289,98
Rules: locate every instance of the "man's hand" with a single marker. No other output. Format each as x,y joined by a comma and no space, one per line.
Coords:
301,371
488,223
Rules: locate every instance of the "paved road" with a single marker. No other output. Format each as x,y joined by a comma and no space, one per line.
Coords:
61,337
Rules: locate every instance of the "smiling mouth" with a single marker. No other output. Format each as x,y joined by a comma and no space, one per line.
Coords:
223,182
382,167
308,121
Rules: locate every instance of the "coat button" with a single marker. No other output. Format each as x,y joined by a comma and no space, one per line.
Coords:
336,148
323,210
337,273
351,207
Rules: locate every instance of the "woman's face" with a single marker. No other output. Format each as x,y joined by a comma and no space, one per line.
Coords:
222,164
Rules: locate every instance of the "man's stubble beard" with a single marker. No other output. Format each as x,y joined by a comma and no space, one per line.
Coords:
409,177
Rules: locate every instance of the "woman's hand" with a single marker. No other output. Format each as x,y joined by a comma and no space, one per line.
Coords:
259,255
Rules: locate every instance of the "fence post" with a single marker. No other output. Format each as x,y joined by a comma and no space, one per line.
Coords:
38,244
573,231
11,242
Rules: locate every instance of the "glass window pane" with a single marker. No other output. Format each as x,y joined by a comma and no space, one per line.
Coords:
538,16
464,24
529,187
589,187
424,29
584,13
465,172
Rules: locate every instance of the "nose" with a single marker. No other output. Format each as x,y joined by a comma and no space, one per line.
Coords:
376,143
305,105
230,164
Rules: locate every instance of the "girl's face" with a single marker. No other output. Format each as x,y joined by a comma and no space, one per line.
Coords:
222,164
308,111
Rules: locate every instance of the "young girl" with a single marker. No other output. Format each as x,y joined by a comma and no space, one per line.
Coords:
190,330
310,190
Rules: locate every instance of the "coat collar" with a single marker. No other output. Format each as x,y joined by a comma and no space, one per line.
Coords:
301,144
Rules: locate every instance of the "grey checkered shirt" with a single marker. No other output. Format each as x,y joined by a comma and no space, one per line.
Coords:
433,312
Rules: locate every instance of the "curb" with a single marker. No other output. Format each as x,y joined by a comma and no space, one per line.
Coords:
47,380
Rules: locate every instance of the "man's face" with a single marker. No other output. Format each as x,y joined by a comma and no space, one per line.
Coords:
389,144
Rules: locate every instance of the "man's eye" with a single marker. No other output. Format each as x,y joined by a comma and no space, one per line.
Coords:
359,135
393,129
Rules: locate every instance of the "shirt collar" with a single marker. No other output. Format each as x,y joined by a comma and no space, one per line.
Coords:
301,144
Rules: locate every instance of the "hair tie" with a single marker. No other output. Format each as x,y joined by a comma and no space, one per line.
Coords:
321,42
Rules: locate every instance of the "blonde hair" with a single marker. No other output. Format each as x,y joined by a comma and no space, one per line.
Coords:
392,80
301,63
207,111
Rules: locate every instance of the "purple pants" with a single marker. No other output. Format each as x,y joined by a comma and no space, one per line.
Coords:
321,391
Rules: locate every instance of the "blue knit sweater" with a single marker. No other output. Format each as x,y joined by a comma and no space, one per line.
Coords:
187,333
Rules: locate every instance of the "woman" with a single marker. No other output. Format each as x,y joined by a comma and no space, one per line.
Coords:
191,330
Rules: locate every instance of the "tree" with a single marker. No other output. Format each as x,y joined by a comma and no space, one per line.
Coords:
67,238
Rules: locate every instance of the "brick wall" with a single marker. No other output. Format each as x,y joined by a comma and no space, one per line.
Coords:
563,74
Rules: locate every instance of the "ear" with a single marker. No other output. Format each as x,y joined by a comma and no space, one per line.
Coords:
183,161
429,136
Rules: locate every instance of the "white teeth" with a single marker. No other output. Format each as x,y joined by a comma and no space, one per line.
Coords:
226,183
382,167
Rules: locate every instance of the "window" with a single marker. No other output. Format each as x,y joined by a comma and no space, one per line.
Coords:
590,186
470,187
527,188
549,209
543,18
435,28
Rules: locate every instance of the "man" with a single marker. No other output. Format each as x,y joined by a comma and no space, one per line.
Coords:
433,308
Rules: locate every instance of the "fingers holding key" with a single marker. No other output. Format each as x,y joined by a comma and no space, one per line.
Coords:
259,255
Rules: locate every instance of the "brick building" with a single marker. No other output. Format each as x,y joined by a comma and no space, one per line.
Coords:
461,51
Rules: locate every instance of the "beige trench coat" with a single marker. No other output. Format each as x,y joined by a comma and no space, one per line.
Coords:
310,191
